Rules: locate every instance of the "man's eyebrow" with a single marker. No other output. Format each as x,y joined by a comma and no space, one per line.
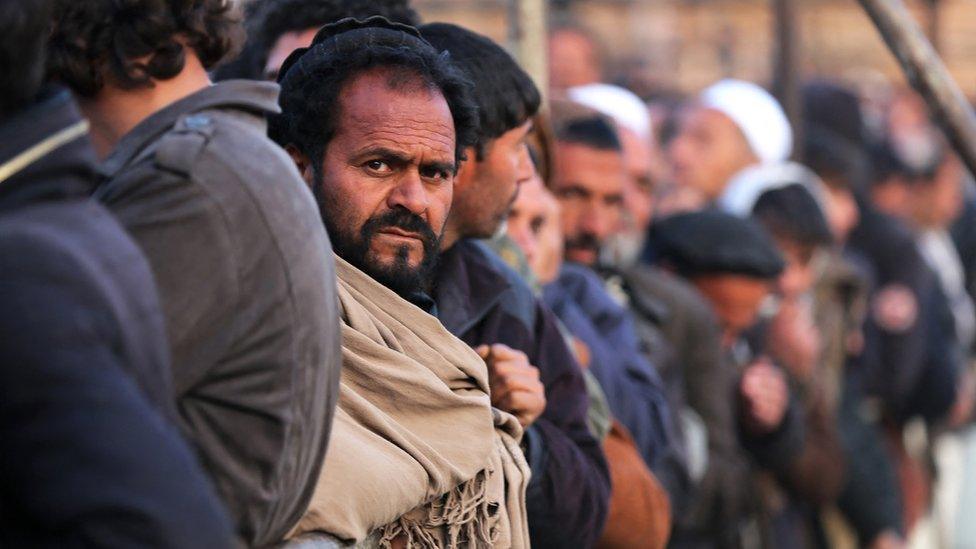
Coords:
573,187
385,153
440,166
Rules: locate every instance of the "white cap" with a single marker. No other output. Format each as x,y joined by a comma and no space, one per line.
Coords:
748,186
757,114
620,104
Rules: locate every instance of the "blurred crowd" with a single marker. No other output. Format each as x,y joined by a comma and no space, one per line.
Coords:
319,273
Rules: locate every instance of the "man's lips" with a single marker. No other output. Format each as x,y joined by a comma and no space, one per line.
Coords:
400,233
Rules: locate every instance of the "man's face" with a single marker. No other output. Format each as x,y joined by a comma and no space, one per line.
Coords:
736,300
387,178
589,184
573,60
487,188
286,43
938,201
708,150
533,223
841,211
638,194
800,272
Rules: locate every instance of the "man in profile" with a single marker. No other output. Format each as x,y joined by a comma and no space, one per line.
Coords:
489,306
232,236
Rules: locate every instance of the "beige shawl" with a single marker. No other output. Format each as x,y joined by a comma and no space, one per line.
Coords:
417,451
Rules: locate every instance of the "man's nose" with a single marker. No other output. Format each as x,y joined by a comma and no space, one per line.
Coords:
409,193
594,222
678,152
529,245
526,169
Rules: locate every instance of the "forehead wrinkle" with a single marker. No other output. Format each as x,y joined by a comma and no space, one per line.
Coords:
423,128
412,147
409,138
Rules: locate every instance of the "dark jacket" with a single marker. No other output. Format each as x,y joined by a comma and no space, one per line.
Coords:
246,281
483,301
896,354
725,497
88,454
632,385
707,385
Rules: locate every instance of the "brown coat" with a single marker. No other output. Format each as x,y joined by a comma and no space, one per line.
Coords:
640,512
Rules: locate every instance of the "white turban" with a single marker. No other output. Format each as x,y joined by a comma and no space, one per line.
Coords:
620,104
757,114
748,186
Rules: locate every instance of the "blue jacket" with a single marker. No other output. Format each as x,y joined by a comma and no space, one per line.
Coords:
633,387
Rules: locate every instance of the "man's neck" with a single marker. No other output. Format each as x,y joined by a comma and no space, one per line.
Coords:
450,238
114,111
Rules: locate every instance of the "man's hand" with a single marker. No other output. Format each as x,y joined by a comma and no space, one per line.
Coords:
794,340
765,397
514,383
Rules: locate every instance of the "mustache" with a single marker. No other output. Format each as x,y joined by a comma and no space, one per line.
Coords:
583,242
404,220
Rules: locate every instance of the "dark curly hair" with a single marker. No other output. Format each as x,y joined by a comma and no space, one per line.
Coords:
312,78
504,93
22,30
130,43
267,20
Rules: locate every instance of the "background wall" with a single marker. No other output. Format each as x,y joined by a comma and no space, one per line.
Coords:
685,44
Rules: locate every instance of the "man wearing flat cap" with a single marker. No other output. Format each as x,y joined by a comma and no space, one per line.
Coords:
377,121
734,264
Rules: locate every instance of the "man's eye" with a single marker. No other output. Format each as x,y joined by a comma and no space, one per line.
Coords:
537,224
435,174
378,166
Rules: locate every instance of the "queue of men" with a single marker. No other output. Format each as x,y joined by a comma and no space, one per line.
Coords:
392,299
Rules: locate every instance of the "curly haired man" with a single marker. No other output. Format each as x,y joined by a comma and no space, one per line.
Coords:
233,237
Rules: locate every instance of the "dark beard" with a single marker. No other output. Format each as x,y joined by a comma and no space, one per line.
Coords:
398,276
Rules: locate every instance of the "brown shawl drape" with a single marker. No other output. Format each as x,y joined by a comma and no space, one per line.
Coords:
417,452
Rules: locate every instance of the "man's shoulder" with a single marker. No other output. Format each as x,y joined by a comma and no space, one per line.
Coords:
678,295
75,246
227,142
477,254
70,231
515,295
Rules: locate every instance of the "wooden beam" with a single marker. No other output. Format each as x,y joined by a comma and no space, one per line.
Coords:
927,74
529,33
786,68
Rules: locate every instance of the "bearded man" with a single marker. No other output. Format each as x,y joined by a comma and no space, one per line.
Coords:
377,120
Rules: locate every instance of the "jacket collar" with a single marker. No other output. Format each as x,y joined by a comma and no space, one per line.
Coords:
627,283
45,151
467,286
259,97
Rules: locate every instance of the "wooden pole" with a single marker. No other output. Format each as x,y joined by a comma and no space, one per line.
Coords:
933,24
927,74
530,34
786,61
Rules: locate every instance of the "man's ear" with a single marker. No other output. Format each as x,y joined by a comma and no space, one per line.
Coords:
303,164
466,169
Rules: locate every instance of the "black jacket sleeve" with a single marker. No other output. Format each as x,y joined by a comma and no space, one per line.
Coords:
86,460
569,493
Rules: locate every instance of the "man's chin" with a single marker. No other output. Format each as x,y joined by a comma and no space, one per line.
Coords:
401,279
398,273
